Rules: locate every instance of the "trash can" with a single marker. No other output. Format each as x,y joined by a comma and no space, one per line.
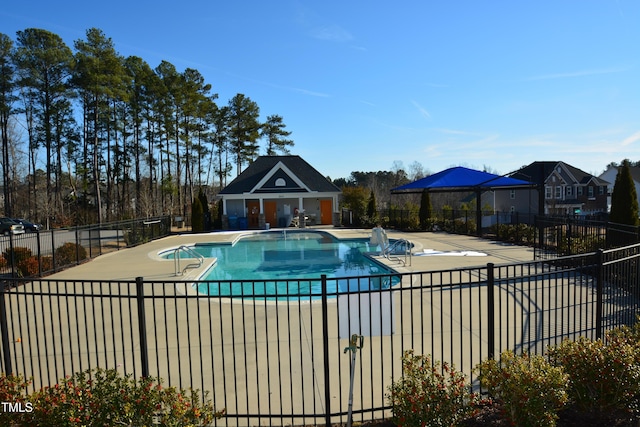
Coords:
243,223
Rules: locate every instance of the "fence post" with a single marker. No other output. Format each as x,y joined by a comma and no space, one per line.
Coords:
491,339
12,261
4,330
325,348
599,292
39,252
142,327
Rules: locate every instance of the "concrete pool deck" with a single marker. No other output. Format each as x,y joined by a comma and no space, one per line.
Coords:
264,358
143,260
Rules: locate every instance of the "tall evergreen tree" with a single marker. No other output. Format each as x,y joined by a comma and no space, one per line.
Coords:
624,200
276,135
197,215
220,137
372,209
244,129
99,78
168,114
624,209
7,98
194,93
425,209
44,65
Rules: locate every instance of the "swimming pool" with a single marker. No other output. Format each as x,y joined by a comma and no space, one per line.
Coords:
288,264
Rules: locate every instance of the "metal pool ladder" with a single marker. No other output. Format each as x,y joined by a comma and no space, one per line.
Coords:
192,253
404,246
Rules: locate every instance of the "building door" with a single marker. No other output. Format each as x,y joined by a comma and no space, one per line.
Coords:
253,213
326,212
270,213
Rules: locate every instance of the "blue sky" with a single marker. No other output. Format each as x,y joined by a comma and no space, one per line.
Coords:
362,85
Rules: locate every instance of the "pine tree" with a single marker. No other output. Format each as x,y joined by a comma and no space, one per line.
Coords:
624,209
244,129
206,216
425,209
273,130
372,210
624,200
197,216
7,98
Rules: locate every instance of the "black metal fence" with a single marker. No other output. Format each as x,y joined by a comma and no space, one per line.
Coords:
39,253
283,359
550,235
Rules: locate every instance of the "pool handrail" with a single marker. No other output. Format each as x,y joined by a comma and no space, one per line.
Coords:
190,251
389,251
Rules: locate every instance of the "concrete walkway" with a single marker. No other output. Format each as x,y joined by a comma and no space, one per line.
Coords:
257,357
143,261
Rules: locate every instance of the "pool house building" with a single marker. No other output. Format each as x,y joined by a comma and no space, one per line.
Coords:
279,191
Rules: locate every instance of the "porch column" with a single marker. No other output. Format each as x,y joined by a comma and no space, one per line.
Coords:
262,222
301,223
224,206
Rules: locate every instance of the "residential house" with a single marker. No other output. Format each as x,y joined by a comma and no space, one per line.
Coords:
277,191
562,190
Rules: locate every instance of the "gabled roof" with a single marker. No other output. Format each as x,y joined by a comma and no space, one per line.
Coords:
277,174
461,179
538,172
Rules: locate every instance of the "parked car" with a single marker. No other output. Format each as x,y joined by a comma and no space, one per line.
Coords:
9,226
29,226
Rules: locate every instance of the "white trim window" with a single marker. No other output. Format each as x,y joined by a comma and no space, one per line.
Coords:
558,192
548,192
569,191
512,194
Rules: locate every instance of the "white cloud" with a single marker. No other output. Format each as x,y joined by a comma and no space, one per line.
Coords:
631,139
579,73
422,110
332,33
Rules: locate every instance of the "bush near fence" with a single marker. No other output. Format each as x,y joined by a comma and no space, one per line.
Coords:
41,253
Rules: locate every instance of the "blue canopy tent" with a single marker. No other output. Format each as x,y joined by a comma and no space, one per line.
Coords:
459,179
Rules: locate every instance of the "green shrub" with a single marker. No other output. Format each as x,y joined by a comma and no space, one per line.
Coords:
105,397
69,253
602,378
429,394
529,389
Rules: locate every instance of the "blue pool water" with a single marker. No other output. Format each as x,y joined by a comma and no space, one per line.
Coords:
288,264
